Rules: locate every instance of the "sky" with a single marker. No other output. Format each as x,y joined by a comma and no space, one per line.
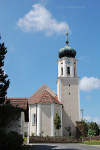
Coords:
35,30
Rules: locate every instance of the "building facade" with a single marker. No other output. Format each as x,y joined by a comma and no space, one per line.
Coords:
68,88
43,105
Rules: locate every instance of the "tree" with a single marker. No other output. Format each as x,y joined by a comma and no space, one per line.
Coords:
91,125
4,83
57,122
91,133
86,126
95,127
8,113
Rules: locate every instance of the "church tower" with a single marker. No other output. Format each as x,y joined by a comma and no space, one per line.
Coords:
68,88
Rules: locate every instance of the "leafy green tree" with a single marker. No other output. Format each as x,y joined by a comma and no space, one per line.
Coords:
91,125
86,126
57,122
91,133
95,127
4,82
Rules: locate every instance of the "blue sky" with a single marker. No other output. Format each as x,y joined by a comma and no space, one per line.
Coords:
34,31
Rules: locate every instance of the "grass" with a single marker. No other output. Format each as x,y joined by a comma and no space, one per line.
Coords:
92,142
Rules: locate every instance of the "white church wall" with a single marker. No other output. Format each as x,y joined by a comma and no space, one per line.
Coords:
46,120
69,97
32,127
26,127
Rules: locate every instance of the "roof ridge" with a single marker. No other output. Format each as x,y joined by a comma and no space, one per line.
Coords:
17,97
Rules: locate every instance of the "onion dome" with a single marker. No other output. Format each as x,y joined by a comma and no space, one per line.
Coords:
67,51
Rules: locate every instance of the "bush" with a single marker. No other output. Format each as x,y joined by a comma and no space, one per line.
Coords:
10,141
2,139
14,141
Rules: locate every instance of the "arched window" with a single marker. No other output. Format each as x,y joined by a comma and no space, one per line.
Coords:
61,71
74,71
33,119
68,70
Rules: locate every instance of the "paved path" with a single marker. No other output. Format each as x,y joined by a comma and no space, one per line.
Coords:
63,147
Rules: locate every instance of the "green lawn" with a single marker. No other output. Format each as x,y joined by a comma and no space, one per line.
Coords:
92,142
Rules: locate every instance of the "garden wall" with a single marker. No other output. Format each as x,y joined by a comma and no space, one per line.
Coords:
92,138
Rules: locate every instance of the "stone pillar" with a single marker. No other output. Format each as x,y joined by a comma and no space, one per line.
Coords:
52,119
29,120
61,123
38,119
64,68
29,125
59,89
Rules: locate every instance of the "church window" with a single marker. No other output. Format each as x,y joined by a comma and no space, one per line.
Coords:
34,119
74,70
68,70
69,84
69,93
61,71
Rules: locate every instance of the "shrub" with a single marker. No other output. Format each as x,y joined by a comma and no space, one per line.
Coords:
14,141
72,137
2,139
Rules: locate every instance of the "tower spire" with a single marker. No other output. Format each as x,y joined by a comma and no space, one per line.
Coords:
67,36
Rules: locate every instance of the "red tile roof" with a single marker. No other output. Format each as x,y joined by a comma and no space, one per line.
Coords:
19,102
45,97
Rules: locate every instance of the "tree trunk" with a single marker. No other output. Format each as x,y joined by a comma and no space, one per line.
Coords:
58,132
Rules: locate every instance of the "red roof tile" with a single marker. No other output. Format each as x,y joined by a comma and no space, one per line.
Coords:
45,97
20,102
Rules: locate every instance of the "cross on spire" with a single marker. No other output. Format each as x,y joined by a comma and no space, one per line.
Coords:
67,36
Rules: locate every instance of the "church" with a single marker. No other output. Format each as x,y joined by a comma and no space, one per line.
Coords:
38,111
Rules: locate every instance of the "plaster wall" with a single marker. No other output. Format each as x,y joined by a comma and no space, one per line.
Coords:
32,127
26,127
46,119
70,100
62,63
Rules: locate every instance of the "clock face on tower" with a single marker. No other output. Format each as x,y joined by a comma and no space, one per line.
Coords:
69,62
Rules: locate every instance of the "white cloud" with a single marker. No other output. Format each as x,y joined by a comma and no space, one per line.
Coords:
40,19
90,119
89,84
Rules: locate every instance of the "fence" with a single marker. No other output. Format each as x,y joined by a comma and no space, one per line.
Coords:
92,138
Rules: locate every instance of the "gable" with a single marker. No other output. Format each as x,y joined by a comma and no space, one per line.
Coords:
39,92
